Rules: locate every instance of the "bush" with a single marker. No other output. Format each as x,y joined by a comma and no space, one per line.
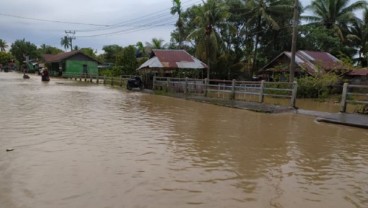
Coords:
317,87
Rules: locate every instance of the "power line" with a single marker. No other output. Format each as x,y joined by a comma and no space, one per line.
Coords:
53,21
129,22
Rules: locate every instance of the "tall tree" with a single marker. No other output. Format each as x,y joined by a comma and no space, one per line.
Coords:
3,45
22,48
261,15
65,42
141,50
359,38
334,14
112,52
46,49
209,18
177,9
156,43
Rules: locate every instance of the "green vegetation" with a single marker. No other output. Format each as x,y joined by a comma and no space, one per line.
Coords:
318,87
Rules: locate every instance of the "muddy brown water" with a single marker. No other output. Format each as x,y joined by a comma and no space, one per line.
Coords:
80,145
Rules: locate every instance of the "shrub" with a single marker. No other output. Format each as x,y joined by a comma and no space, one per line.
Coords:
317,87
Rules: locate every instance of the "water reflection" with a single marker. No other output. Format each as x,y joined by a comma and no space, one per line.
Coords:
80,145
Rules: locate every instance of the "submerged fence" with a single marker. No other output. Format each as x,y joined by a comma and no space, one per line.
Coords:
228,89
355,94
94,78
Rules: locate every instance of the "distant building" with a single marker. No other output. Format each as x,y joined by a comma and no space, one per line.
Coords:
307,63
358,76
73,62
170,63
167,61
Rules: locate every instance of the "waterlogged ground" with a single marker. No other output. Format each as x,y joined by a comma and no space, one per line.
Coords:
79,145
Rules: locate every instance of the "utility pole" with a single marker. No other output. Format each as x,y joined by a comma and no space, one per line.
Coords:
70,34
293,41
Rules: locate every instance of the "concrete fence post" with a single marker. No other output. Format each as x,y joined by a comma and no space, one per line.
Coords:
85,77
343,98
232,97
90,78
294,93
112,81
167,84
104,79
97,81
80,77
121,81
206,82
261,92
186,85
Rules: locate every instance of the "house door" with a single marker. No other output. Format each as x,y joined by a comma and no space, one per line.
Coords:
85,69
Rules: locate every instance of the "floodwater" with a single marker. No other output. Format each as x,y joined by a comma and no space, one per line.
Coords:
82,145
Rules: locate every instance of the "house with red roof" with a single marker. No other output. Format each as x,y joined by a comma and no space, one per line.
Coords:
73,62
170,63
308,63
358,76
165,62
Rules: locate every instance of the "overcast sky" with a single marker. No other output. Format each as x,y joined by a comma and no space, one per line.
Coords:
97,23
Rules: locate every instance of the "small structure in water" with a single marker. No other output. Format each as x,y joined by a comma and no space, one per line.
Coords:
25,76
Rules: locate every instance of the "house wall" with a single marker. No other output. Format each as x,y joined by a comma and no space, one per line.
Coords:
76,66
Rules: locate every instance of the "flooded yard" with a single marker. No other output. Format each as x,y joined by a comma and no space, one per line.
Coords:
86,145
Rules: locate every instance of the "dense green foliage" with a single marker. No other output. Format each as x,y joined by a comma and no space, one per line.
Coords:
243,35
318,87
5,58
22,48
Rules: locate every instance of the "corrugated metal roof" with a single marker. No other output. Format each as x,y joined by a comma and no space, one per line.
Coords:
172,59
49,58
358,72
312,61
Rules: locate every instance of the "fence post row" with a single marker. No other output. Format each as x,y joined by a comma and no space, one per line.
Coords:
343,98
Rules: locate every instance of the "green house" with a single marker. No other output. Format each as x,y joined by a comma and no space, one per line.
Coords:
73,62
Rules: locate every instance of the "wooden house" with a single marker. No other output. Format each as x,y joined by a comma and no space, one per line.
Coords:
358,76
170,63
73,62
308,63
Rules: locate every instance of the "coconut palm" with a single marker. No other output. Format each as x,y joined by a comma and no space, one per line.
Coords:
3,45
65,42
334,14
359,38
261,14
209,18
177,9
156,43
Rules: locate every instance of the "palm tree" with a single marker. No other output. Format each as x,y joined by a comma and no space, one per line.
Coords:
209,18
359,38
177,9
3,45
334,14
141,49
261,14
156,44
65,42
